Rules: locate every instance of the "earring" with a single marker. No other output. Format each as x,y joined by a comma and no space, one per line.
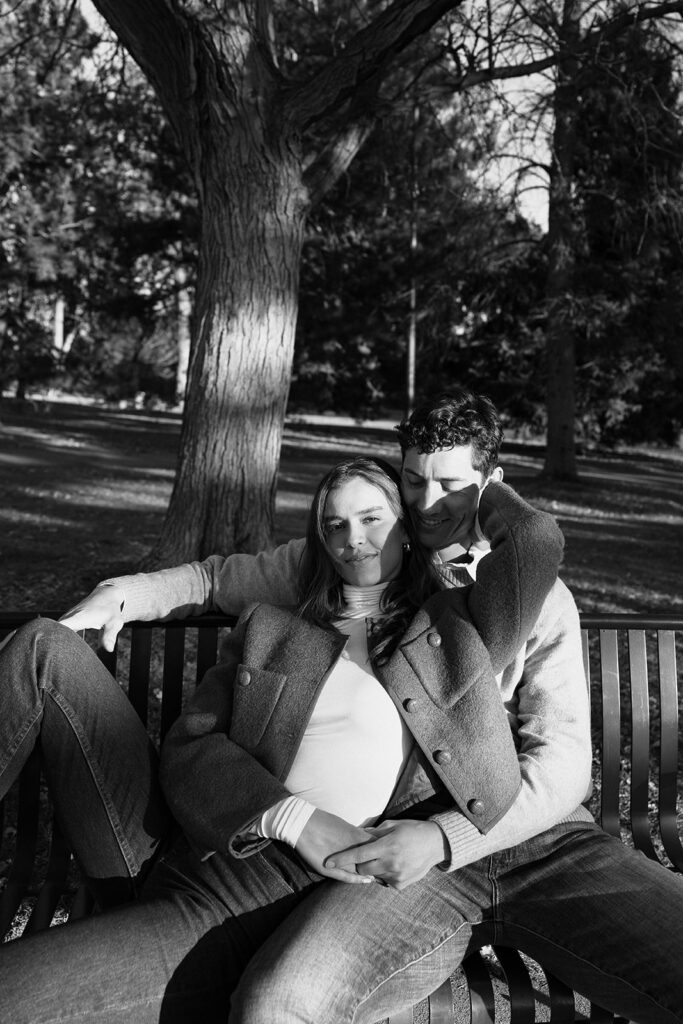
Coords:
406,547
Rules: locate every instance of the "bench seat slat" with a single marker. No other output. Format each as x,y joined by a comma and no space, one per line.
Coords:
482,1001
440,1004
520,989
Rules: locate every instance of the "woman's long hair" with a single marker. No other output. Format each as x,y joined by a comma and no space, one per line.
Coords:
320,585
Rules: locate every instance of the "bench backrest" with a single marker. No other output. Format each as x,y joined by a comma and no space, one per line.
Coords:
631,668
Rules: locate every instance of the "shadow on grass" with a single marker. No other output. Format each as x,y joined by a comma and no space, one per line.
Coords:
83,491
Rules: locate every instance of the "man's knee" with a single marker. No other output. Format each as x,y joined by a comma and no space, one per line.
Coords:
269,991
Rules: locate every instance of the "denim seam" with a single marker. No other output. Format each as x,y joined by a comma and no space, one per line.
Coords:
91,762
411,963
607,974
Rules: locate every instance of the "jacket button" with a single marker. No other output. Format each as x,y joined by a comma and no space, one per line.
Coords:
442,756
410,705
382,661
434,640
243,677
475,807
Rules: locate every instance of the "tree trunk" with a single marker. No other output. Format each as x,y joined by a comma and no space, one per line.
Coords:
253,209
560,461
183,335
240,125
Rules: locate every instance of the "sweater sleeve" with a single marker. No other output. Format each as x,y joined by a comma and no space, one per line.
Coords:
218,583
550,717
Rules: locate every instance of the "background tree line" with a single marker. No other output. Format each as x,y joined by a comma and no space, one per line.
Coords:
110,234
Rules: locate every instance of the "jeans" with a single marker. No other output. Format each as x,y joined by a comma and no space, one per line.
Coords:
603,918
99,762
263,939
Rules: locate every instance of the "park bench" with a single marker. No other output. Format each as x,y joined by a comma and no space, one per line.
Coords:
630,664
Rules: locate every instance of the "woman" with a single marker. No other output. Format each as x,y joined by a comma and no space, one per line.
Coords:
312,727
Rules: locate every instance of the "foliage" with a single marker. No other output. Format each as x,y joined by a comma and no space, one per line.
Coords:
93,206
630,268
420,174
96,209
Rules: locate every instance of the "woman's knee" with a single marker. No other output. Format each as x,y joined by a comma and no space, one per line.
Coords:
32,634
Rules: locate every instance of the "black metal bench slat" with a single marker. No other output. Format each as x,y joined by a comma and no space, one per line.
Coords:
520,988
606,681
668,755
640,742
611,731
482,1000
172,685
440,1005
52,889
561,999
138,679
28,814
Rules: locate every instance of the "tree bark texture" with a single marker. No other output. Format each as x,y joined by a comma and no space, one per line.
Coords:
560,461
240,126
248,170
246,305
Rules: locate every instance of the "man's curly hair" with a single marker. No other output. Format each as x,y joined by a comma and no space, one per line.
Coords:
458,417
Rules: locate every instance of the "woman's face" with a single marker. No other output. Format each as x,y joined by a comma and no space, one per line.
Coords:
363,535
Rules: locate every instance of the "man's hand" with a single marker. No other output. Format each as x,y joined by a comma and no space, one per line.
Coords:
401,853
325,834
101,609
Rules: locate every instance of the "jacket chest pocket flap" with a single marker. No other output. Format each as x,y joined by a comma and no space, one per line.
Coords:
256,694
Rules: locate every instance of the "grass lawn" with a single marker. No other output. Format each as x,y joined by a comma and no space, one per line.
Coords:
83,492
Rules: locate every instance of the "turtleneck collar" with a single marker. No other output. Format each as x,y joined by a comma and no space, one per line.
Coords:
363,602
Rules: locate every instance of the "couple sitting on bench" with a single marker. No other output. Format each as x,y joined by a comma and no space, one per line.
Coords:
390,756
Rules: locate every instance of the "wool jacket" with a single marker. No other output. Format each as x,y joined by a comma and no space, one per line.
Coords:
245,724
528,624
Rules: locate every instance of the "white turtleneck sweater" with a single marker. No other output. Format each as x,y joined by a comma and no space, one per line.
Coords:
355,744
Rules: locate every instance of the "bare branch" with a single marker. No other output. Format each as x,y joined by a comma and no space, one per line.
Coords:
335,158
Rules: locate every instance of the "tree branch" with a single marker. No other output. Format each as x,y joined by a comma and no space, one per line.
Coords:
364,59
608,30
159,39
334,159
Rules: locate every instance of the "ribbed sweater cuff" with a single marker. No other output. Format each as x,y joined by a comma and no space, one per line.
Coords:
467,844
137,594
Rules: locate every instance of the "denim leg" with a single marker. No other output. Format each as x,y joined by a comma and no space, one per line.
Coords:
603,917
98,760
360,953
172,957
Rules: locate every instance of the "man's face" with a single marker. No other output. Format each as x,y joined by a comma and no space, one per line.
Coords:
441,490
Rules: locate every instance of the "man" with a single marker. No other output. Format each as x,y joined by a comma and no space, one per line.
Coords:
544,878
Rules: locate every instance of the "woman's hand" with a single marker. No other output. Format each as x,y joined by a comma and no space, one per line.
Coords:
326,834
400,852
